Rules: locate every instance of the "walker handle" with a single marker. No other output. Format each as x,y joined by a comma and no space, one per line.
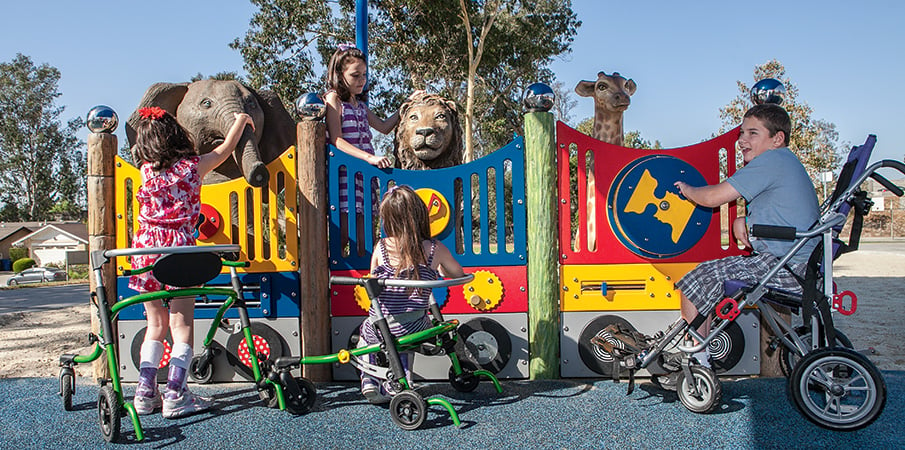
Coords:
429,284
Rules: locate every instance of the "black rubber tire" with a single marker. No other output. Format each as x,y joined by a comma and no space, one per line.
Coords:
12,283
467,381
408,410
201,375
827,377
109,413
298,392
67,388
789,358
707,383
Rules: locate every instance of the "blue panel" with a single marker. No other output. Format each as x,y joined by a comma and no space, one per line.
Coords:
509,158
270,295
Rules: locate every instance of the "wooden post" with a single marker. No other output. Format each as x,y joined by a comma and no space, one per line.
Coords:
101,221
314,268
543,246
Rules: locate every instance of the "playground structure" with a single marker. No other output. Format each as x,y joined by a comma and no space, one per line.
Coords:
521,317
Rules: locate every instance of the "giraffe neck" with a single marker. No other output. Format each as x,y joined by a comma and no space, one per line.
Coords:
608,127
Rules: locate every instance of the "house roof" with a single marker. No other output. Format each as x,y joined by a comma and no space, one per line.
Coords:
7,229
77,231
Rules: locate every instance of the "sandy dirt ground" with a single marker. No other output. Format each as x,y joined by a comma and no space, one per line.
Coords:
31,343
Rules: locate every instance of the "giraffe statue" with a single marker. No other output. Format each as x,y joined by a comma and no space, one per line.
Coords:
611,98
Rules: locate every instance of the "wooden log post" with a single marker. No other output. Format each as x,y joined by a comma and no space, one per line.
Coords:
314,267
543,245
101,222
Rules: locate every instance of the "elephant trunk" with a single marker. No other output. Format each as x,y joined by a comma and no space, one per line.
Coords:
248,157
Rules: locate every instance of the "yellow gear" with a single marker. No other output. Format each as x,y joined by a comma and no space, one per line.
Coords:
484,292
361,298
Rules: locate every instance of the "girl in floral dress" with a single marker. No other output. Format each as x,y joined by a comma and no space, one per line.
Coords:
169,206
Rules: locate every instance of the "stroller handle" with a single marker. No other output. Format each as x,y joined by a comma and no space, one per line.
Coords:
403,283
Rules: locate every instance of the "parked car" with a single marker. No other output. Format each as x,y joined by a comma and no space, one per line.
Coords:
37,275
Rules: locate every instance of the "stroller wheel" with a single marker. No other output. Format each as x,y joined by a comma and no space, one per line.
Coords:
838,389
408,410
464,382
109,413
702,393
789,358
268,395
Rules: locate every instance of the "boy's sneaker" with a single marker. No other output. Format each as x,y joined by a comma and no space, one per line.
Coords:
373,392
183,405
146,405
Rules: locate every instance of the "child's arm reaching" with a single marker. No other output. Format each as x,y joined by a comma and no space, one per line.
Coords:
709,196
447,265
383,125
210,161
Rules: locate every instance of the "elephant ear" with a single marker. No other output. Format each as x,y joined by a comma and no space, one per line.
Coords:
164,95
279,128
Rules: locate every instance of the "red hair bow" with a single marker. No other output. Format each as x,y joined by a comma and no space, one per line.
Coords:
153,112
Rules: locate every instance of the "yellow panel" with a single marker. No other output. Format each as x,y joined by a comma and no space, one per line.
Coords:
629,287
263,244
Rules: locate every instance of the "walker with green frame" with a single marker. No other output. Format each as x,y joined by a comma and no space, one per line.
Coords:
187,269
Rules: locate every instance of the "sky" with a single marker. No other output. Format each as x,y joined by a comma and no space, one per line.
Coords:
845,57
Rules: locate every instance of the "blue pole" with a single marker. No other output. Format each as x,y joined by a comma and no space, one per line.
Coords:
361,26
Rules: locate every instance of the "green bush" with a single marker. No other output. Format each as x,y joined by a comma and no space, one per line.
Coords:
22,264
78,272
17,253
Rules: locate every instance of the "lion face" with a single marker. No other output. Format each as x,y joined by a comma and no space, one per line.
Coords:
428,131
428,135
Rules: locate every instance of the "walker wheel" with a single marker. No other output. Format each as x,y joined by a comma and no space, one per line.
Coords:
702,393
201,373
789,358
67,387
838,389
466,381
268,395
299,393
109,413
408,410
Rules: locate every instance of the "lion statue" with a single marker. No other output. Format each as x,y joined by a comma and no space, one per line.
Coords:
428,135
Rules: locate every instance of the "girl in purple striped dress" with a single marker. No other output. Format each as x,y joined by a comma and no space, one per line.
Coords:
407,252
349,123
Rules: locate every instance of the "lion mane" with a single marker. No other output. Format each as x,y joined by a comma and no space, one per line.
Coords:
428,135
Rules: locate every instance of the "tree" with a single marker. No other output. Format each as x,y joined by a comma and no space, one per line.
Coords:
482,54
813,141
42,162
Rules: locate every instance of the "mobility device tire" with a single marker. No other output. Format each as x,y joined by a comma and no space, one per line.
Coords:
201,373
789,358
838,389
408,410
709,390
467,381
109,413
67,388
268,395
299,393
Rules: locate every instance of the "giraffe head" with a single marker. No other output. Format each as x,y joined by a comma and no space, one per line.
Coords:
610,92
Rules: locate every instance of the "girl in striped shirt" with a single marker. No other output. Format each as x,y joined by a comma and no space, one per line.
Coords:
407,252
349,123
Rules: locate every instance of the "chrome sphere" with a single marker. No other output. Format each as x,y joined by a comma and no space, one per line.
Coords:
102,119
310,106
768,90
539,98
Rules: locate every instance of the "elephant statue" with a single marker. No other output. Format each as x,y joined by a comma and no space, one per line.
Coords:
205,109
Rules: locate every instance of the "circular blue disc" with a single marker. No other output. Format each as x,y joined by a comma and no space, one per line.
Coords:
648,214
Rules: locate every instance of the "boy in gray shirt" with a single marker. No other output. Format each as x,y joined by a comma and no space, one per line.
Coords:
777,191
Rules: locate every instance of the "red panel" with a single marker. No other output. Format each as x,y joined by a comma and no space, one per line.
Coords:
513,279
609,161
